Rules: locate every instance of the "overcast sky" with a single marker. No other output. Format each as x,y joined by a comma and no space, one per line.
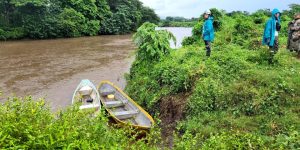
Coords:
193,8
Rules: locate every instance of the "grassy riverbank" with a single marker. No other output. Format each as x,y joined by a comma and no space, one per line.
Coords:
235,99
235,94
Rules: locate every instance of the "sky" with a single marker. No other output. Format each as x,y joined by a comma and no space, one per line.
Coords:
194,8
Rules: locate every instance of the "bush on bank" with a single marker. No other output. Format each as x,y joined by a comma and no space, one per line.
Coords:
235,99
29,124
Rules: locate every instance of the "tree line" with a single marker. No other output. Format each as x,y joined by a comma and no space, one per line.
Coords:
42,19
178,22
259,16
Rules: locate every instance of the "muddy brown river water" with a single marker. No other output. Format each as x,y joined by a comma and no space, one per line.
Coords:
52,69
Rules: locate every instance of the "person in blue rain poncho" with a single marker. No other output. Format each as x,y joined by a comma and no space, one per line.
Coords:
271,32
208,31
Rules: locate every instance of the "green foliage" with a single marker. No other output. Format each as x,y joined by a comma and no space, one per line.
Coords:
126,16
235,98
15,33
188,41
237,140
40,19
167,23
26,2
239,90
197,30
121,24
294,9
148,15
178,22
196,35
92,28
260,16
152,44
218,16
29,124
72,23
246,33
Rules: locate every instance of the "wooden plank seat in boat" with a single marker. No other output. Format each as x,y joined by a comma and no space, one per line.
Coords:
113,104
125,114
89,106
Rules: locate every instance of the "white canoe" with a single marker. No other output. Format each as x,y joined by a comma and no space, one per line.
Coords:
86,93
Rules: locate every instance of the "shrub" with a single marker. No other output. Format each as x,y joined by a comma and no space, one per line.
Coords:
72,22
152,45
29,124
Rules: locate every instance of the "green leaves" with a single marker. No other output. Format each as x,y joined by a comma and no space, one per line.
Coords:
152,45
41,19
72,22
29,124
236,99
37,3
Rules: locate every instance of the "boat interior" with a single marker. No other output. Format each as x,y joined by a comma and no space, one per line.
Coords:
122,108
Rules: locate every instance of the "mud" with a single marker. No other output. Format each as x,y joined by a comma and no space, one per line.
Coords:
172,110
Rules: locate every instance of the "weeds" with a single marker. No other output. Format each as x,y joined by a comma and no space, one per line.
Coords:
236,99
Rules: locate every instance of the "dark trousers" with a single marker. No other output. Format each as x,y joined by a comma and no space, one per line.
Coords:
274,49
208,49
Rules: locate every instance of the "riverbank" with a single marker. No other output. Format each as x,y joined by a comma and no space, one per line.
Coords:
240,97
231,100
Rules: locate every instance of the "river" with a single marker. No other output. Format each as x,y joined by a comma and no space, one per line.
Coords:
52,69
179,32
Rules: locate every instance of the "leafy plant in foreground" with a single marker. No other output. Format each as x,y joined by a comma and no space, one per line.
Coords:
152,44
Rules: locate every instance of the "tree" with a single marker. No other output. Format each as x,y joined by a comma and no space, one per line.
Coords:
152,45
72,22
294,8
149,15
41,19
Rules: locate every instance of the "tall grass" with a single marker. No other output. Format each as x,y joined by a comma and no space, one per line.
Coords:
236,99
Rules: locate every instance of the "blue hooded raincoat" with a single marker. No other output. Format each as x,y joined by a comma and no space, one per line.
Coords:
208,29
270,29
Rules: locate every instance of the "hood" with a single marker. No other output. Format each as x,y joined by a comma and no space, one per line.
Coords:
211,18
275,11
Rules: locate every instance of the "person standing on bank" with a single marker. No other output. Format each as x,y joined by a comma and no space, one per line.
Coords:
294,35
271,32
208,31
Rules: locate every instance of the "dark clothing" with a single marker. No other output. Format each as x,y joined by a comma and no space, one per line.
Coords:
274,49
278,26
208,49
208,34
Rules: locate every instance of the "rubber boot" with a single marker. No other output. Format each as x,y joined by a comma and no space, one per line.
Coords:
208,52
272,53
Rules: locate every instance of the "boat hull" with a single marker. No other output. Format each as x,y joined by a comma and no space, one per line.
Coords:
122,109
87,95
